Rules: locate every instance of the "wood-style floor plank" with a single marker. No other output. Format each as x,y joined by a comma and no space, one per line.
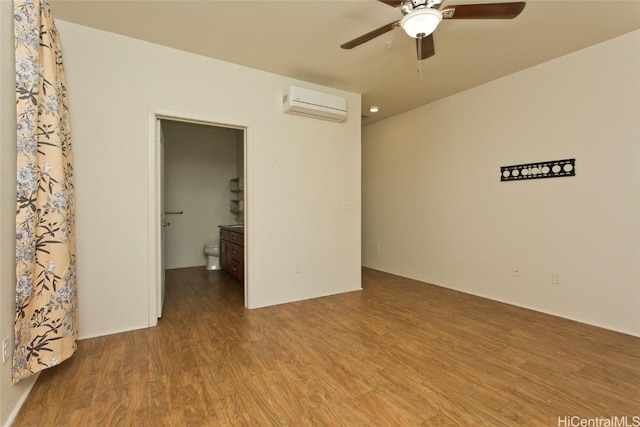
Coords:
400,352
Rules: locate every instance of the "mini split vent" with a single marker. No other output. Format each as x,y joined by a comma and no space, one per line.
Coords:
318,105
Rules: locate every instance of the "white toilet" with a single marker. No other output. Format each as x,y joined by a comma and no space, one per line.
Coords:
213,256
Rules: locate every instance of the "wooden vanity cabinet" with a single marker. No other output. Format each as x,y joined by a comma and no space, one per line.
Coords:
232,253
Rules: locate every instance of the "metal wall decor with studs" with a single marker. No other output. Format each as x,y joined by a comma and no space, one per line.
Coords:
550,169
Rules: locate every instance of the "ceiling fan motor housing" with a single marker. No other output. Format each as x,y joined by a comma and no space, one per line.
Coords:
415,4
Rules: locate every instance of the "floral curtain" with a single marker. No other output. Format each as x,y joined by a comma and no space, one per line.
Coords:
46,302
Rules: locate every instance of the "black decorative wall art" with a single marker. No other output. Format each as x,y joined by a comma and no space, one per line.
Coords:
550,169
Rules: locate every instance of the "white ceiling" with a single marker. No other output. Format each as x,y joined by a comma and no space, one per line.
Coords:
301,39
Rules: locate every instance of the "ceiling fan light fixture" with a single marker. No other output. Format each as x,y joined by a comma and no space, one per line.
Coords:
421,21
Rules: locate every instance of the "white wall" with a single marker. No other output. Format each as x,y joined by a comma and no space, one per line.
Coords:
299,173
433,201
10,396
199,162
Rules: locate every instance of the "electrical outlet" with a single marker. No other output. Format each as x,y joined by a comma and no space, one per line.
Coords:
5,349
378,247
557,280
298,269
517,271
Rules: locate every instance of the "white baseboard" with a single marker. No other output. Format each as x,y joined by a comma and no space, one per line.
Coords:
20,402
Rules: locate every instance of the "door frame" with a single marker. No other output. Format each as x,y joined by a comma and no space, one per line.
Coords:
155,187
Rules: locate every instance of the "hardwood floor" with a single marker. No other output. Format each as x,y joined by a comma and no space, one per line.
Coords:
400,352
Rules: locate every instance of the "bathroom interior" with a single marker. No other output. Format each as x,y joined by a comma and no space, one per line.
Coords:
203,190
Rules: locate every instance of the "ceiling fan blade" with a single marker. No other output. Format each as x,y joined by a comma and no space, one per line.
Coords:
392,3
483,11
425,47
370,35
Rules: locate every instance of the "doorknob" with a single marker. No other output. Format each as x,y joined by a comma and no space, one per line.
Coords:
165,223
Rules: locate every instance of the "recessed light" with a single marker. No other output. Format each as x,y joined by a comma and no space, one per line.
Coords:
374,109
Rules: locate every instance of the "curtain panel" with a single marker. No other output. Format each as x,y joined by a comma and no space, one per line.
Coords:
46,297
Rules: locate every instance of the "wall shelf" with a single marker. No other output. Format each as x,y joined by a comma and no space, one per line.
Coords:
236,186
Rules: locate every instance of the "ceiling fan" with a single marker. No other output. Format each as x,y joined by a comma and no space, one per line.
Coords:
421,17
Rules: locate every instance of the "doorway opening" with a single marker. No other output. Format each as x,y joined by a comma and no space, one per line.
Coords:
201,158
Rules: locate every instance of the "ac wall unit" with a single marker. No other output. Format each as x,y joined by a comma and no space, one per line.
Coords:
318,105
